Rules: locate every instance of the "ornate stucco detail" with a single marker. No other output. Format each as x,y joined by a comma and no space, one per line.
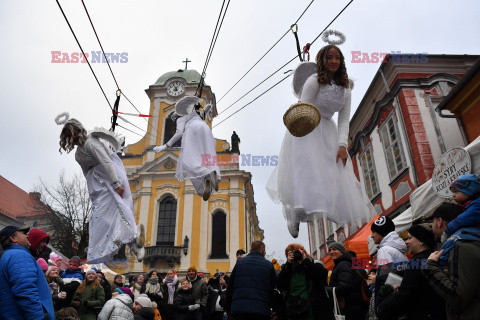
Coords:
218,203
167,188
226,146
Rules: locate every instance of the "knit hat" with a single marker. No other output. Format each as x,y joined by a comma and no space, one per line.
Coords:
337,245
125,290
447,211
201,275
423,234
383,226
43,264
468,184
192,268
50,268
90,271
144,302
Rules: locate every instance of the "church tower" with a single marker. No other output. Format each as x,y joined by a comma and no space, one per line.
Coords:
181,229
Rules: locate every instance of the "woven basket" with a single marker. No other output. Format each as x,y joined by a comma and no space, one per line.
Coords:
301,118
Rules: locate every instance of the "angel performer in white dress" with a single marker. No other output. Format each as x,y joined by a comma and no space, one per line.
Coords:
315,175
112,222
197,156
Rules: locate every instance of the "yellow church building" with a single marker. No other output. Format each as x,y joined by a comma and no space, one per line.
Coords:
181,229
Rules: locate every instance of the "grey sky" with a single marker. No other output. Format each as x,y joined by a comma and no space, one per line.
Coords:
159,35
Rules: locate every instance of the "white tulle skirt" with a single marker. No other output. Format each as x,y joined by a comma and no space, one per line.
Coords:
112,222
198,157
308,181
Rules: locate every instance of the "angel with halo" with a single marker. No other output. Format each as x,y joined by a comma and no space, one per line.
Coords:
198,144
112,222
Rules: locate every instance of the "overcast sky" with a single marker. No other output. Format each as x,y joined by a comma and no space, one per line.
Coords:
158,35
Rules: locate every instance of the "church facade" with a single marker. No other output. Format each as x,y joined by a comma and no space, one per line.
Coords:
182,230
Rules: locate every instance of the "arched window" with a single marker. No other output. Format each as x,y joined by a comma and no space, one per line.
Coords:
170,131
167,216
219,235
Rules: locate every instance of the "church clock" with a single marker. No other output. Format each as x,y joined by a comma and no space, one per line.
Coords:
175,88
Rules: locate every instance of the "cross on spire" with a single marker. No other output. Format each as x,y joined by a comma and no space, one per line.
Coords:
186,62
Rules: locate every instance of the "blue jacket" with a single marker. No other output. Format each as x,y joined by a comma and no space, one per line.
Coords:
72,274
250,290
24,292
469,218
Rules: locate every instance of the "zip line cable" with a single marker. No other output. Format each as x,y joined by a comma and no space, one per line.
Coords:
138,134
261,58
253,100
279,70
83,52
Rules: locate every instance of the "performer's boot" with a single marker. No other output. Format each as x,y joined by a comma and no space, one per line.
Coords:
208,188
139,251
140,241
293,227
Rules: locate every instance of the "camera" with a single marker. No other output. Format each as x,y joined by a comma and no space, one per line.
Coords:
297,255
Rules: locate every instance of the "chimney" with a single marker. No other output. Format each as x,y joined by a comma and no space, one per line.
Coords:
35,195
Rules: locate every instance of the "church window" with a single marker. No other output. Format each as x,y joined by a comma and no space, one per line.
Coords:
392,147
170,131
167,216
219,235
369,173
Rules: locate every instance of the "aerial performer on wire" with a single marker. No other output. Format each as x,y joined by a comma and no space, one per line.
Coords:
197,155
315,175
112,222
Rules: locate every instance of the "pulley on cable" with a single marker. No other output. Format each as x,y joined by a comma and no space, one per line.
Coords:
115,110
306,48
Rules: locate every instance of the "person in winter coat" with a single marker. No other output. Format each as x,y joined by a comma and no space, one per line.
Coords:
90,294
117,282
137,285
185,303
24,292
415,297
55,283
119,307
199,287
217,295
391,252
303,283
39,240
143,309
169,287
347,282
153,287
105,284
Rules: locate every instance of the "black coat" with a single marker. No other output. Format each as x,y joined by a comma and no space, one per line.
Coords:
348,285
167,311
182,300
316,276
144,313
214,291
414,297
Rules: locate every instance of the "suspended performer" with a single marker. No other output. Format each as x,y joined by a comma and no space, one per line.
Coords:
112,222
198,145
315,175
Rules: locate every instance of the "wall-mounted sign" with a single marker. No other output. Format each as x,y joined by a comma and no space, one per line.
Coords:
452,164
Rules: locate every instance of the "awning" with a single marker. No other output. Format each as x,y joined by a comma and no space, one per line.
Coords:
359,243
403,221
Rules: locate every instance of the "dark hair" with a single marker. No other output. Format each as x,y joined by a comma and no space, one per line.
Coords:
240,251
68,313
340,77
257,246
151,272
8,242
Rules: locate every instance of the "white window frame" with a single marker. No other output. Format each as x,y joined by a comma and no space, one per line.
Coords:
389,145
374,189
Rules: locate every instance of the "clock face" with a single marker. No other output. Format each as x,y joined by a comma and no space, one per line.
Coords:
175,88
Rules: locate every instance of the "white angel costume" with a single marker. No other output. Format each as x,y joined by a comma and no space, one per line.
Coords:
308,181
112,222
198,158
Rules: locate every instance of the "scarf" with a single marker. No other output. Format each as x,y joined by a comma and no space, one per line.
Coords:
465,234
153,286
171,282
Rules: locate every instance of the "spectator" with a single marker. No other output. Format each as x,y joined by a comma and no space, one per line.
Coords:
43,264
153,288
250,290
157,312
107,288
142,308
372,315
89,295
461,287
24,290
276,266
303,283
39,240
55,283
119,307
137,284
391,251
68,313
347,282
199,287
72,278
217,295
117,282
240,253
185,303
415,297
169,286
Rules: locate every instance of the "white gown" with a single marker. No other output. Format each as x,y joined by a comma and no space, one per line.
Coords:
308,180
198,157
112,222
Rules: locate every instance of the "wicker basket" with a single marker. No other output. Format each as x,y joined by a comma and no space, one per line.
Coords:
301,118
